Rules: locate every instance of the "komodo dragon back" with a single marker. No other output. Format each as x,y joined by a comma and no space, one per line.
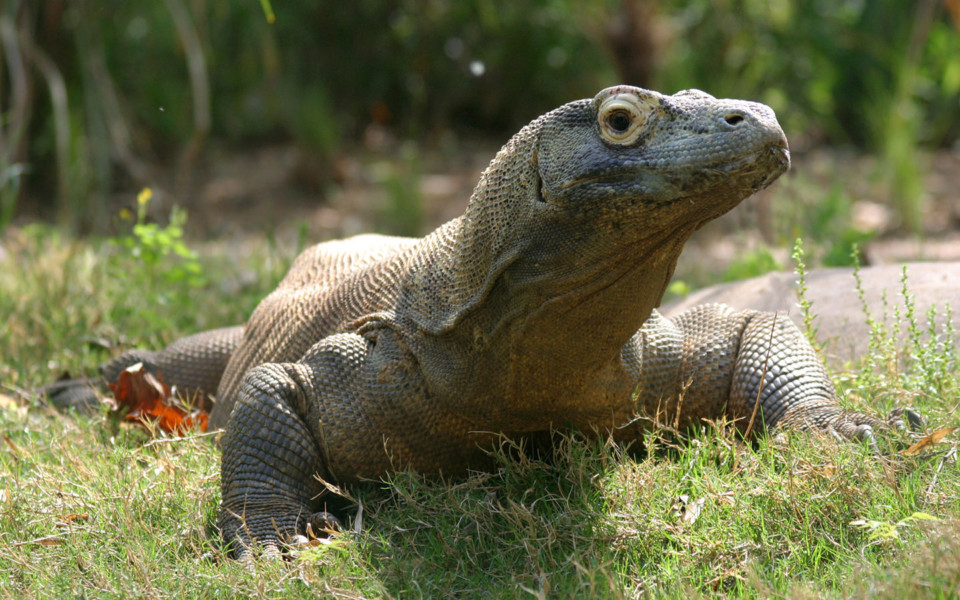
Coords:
533,310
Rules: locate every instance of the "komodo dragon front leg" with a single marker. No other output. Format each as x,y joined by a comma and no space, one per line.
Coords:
353,408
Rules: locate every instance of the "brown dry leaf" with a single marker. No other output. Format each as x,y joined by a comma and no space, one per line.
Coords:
50,540
13,447
148,399
930,440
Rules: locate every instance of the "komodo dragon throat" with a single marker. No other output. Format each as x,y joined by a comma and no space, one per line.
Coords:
533,310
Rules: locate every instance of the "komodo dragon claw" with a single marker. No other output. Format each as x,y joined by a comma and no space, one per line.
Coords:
849,426
914,421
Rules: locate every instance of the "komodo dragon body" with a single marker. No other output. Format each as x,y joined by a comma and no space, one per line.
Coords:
533,310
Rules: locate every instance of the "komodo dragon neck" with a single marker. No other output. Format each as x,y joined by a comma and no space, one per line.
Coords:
569,241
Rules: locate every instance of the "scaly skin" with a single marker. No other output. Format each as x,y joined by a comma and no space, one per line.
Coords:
525,314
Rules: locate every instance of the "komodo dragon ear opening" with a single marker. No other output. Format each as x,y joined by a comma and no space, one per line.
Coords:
622,118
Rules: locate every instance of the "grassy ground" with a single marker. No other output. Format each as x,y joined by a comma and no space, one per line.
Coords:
90,509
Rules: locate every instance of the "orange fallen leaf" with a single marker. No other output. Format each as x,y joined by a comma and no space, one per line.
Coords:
50,540
147,399
930,440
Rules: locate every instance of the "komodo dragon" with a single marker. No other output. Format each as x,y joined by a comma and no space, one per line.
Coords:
533,310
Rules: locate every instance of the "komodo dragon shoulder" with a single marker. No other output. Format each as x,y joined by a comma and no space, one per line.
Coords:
531,311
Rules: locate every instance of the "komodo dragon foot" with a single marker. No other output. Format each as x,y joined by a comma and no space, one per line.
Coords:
847,426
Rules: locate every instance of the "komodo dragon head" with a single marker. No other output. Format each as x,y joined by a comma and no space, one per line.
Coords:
636,154
593,191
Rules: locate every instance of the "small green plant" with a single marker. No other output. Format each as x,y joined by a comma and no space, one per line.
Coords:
158,265
806,306
877,345
156,246
884,531
932,356
906,359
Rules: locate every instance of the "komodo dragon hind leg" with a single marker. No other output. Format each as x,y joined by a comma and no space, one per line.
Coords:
194,365
281,431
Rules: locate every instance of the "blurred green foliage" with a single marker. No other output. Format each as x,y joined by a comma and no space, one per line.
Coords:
840,70
752,263
161,262
100,96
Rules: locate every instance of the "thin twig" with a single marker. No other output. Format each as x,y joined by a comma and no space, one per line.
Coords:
19,113
933,482
61,113
199,84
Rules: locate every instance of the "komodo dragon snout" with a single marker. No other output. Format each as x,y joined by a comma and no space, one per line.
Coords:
533,310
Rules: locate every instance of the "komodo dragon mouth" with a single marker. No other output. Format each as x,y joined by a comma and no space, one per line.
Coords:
470,346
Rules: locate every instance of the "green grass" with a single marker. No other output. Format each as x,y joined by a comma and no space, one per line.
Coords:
89,509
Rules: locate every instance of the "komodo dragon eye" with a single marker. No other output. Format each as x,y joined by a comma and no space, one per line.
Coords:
619,121
622,118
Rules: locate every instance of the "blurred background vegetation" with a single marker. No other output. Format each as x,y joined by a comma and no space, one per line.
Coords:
101,98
